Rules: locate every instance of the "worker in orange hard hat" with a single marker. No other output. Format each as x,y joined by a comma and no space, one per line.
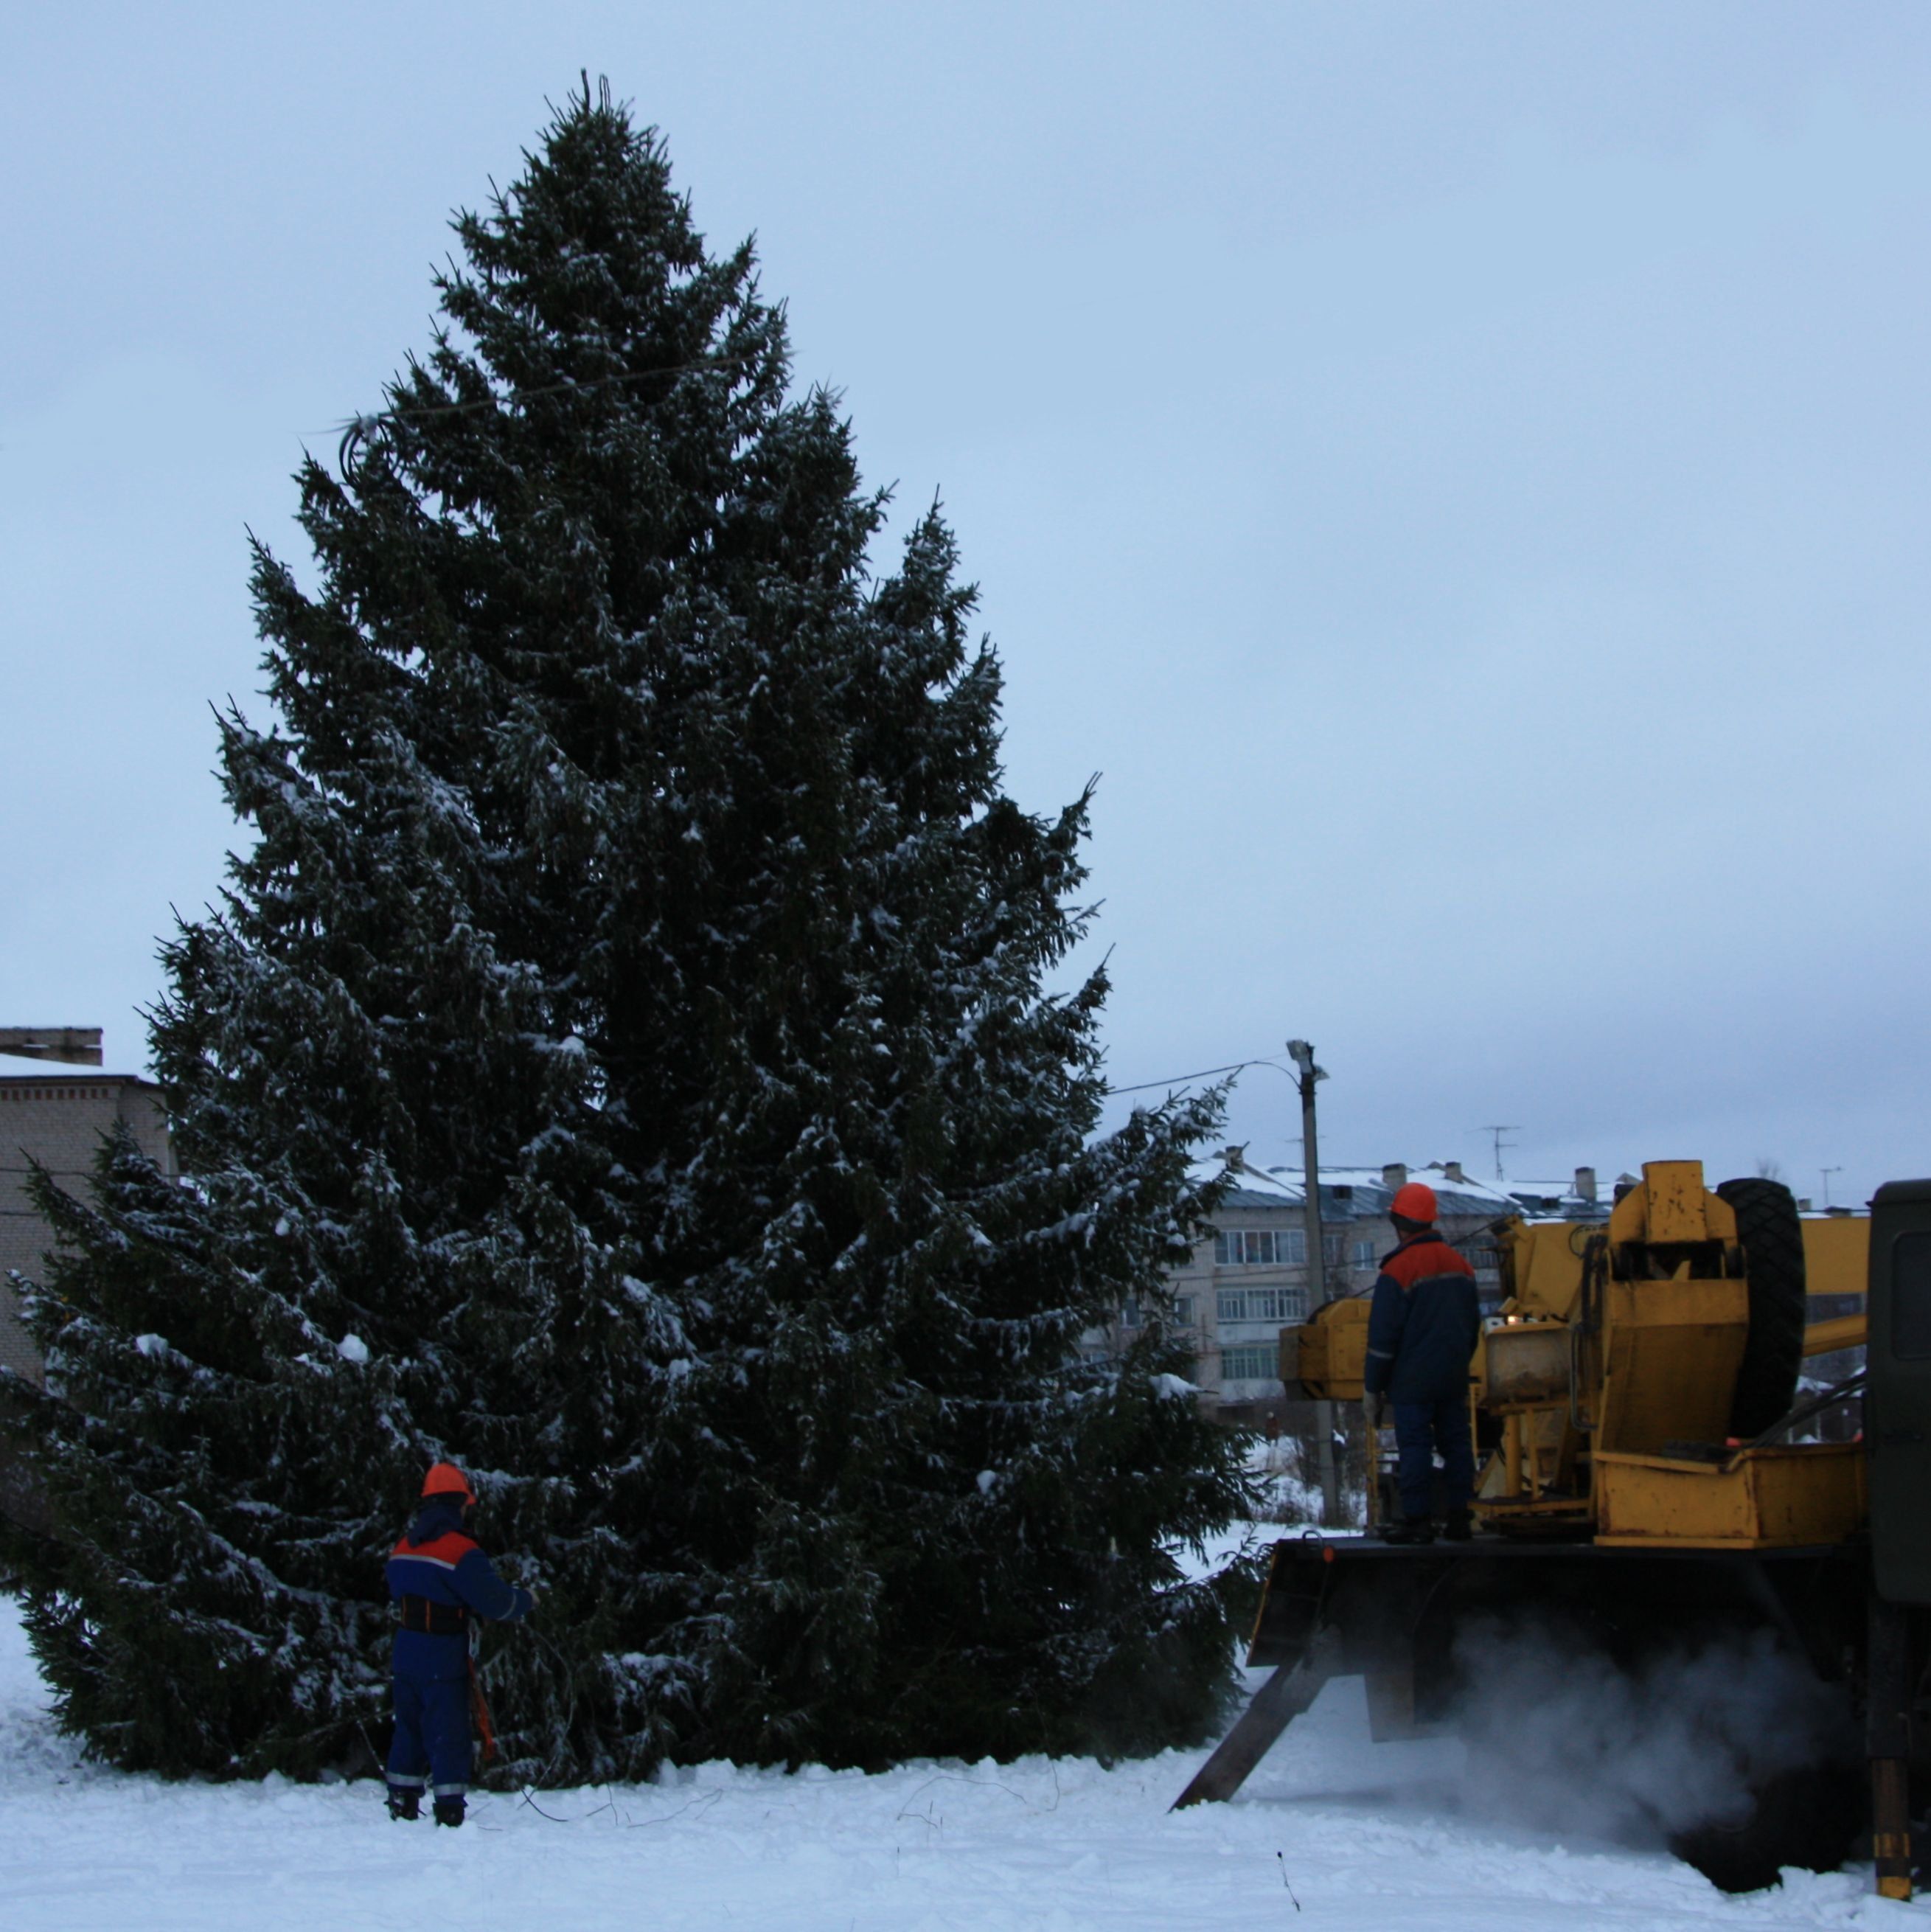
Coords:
1422,1326
441,1580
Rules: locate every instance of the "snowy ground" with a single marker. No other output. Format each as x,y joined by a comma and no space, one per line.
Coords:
1332,1831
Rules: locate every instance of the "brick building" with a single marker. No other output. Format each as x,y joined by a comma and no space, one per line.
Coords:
56,1113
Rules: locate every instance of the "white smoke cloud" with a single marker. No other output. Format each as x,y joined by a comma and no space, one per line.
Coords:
1562,1740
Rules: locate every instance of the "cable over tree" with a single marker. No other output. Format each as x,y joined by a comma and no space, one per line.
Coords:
622,1061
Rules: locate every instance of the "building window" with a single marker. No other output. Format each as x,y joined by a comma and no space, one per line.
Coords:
1261,1304
1260,1247
1256,1363
1186,1310
1364,1254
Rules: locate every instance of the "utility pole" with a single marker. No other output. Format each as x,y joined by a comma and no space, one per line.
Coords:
1302,1054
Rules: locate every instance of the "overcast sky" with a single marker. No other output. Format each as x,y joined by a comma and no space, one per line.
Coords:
1458,471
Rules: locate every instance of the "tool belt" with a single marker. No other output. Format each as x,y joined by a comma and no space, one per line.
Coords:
425,1614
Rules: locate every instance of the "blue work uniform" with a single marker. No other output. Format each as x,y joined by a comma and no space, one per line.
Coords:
1422,1326
441,1578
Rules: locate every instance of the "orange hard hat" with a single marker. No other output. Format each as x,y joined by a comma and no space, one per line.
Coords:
1415,1202
444,1479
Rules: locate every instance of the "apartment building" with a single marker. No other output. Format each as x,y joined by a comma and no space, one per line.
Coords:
1250,1278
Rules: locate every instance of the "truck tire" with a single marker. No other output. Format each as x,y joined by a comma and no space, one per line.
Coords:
1773,1243
1809,1817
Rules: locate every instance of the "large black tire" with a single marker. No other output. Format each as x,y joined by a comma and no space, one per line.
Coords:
1810,1817
1773,1243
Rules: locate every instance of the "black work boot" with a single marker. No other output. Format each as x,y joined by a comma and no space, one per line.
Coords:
1409,1529
1459,1527
449,1810
405,1801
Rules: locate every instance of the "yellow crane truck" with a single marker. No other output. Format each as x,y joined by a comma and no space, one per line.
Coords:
1633,1402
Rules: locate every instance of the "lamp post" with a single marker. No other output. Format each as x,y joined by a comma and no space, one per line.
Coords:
1310,1076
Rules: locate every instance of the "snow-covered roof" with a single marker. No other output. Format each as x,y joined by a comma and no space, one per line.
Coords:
1365,1189
1243,1195
1558,1200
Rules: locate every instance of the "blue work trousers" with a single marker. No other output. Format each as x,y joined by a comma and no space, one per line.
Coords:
1421,1428
432,1734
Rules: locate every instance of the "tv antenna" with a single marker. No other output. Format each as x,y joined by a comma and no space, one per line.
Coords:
1496,1133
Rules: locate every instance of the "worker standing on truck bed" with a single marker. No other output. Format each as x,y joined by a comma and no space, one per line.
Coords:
1422,1326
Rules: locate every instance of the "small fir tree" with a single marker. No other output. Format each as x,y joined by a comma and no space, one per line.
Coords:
622,1061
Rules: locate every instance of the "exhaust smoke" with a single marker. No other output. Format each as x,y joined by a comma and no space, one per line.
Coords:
1561,1739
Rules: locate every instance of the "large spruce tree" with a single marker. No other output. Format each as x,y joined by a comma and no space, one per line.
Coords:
623,1061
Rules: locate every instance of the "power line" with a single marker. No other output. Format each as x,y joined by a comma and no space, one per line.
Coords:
1206,1072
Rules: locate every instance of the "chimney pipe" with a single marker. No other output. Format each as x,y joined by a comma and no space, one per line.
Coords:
1585,1183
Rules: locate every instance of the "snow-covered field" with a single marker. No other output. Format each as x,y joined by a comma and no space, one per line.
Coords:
1332,1831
